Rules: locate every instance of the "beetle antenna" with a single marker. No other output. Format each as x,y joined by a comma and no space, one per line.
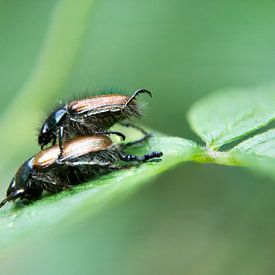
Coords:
137,92
12,196
4,201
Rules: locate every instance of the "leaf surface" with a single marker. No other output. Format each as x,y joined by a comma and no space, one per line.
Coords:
262,145
87,199
229,114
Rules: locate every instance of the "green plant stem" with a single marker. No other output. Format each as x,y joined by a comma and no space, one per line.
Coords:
54,64
209,155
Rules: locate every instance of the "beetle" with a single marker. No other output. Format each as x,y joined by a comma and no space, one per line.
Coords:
94,115
83,158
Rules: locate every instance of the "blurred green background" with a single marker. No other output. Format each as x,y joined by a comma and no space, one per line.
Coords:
196,219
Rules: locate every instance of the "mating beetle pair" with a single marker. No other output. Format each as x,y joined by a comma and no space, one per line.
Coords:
89,153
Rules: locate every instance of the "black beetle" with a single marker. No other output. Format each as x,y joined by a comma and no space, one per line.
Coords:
94,115
83,158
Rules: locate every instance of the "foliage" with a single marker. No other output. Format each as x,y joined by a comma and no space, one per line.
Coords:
220,118
235,124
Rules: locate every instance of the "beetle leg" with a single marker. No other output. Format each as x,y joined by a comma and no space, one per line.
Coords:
146,135
144,158
99,132
103,132
54,141
137,92
60,140
134,126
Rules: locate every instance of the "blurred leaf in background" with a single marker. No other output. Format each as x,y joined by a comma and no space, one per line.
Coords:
195,219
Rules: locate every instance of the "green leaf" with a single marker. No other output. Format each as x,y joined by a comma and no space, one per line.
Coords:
89,198
229,114
256,164
262,145
257,153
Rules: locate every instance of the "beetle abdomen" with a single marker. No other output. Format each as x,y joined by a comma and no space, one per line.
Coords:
96,167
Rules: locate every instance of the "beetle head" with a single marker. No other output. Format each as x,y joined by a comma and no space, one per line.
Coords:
13,191
19,183
46,135
22,186
49,128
